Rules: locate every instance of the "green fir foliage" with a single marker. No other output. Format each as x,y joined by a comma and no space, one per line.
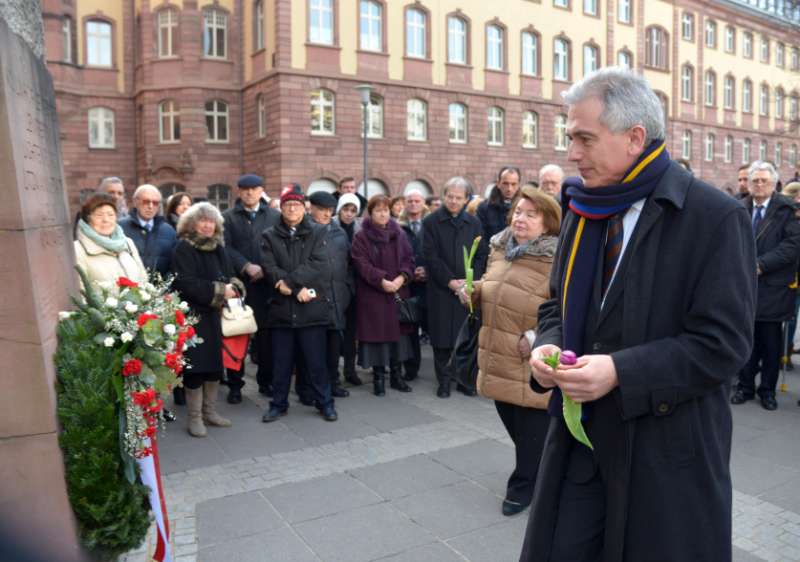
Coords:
112,513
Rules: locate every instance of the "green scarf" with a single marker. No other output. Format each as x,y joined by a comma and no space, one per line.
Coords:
115,243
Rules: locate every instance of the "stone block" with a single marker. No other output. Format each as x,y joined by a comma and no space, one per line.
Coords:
226,519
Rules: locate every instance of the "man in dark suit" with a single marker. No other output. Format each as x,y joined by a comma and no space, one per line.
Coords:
777,235
653,287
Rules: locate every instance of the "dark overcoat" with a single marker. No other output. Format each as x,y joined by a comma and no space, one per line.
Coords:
380,254
678,323
341,287
415,240
777,251
301,261
493,214
155,247
442,248
243,243
200,278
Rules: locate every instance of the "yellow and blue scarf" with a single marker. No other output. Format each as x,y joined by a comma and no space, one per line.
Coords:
594,206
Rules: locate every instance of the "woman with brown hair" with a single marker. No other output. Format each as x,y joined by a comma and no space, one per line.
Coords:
509,294
176,206
385,263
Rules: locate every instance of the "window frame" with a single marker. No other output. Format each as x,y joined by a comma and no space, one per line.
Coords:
652,48
375,114
537,48
729,92
567,59
501,45
261,115
95,19
172,31
728,151
496,126
763,102
317,35
710,33
381,26
763,149
686,144
591,47
454,139
627,53
747,150
418,9
173,115
709,147
780,54
413,116
763,56
730,39
747,96
595,13
687,23
259,41
324,104
710,87
110,144
533,122
215,198
560,139
690,88
747,44
629,5
466,38
213,46
68,50
216,114
780,103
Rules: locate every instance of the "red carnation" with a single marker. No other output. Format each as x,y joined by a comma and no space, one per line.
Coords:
144,398
173,361
156,407
190,332
180,319
125,282
145,318
131,367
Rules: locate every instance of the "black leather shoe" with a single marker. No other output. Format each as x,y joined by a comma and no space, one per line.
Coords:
234,395
169,416
353,379
272,414
768,402
443,391
339,392
398,383
179,396
328,413
306,401
466,391
512,508
740,397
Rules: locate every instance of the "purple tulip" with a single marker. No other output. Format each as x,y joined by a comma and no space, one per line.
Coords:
568,357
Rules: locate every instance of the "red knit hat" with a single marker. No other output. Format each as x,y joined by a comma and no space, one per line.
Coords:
292,192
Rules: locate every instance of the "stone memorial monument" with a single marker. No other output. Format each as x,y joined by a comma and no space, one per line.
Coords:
36,279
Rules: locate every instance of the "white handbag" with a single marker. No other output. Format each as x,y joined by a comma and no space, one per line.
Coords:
237,319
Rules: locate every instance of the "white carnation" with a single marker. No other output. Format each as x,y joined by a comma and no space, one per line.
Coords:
130,307
126,337
169,329
111,302
184,306
108,342
63,315
144,295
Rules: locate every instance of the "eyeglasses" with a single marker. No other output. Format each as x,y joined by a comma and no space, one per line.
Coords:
759,180
150,202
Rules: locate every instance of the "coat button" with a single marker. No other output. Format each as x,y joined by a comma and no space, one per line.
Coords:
663,408
597,346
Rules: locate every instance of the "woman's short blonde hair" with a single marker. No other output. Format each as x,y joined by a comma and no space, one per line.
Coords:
196,212
545,204
791,189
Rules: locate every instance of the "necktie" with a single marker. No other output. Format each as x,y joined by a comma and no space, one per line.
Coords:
253,215
415,227
614,239
758,217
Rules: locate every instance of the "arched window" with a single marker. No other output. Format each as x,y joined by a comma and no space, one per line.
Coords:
560,141
730,39
457,117
169,189
418,185
729,92
495,57
416,33
216,121
762,150
780,55
747,45
793,155
320,22
261,110
779,105
496,118
656,47
662,98
258,25
67,39
624,11
625,58
711,88
747,96
457,31
687,26
778,154
591,58
322,112
374,117
322,184
99,43
530,129
763,100
709,152
215,31
169,121
530,53
417,124
561,59
167,32
371,25
219,195
687,83
764,49
101,128
711,34
793,102
746,144
728,148
686,145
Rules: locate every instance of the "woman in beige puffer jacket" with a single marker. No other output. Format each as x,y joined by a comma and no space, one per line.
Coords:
509,294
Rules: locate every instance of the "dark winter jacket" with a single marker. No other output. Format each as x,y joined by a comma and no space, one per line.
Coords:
301,261
155,247
342,286
443,251
349,229
678,327
415,240
201,271
493,214
378,254
778,250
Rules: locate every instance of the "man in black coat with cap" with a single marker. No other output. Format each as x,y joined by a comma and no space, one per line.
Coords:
244,223
777,234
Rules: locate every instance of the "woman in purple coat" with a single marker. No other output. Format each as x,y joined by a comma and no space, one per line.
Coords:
384,261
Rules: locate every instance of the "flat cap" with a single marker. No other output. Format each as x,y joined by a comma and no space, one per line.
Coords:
250,180
322,199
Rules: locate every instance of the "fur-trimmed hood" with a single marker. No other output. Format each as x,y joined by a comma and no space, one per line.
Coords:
545,245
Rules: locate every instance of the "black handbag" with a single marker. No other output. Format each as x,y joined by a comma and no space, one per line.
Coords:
408,309
464,359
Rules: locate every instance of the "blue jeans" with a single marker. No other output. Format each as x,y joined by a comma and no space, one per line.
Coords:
311,343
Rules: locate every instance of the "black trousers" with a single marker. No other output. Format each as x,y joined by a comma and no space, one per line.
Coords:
311,343
580,521
349,340
192,380
335,340
527,428
441,357
411,366
766,350
261,346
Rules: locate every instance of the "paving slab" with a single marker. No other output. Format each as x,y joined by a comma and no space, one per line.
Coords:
482,457
501,542
362,534
225,519
407,476
755,475
306,423
434,552
278,545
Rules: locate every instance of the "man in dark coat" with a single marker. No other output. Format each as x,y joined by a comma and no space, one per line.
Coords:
447,232
411,223
493,213
777,235
244,223
154,237
296,265
665,305
341,286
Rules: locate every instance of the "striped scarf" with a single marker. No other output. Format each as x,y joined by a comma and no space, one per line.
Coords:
594,206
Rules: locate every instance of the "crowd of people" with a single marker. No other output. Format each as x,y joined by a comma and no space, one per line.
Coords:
328,276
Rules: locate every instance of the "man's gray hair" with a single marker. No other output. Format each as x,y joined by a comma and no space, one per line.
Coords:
193,214
460,182
145,187
627,101
550,168
105,182
762,166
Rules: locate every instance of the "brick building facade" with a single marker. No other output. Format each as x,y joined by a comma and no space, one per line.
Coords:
200,91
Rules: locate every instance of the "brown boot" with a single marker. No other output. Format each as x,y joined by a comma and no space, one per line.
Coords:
194,409
210,415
